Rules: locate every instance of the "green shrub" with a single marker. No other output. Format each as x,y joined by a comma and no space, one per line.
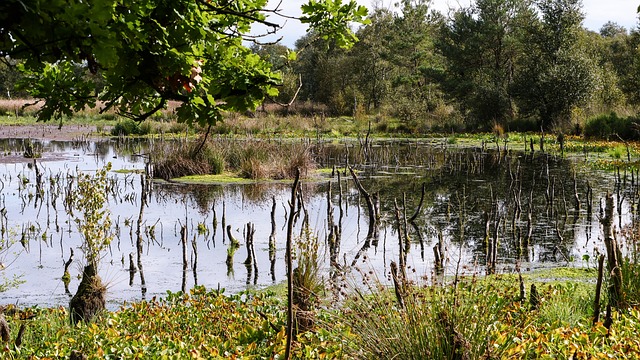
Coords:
611,126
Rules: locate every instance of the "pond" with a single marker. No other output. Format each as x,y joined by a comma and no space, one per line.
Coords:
481,211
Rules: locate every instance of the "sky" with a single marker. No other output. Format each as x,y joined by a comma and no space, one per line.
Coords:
597,12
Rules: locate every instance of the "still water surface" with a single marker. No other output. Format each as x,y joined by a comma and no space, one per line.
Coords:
471,196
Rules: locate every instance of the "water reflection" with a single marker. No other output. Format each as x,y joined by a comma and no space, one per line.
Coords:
436,209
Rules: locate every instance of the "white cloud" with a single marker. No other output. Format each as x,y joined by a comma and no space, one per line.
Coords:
597,13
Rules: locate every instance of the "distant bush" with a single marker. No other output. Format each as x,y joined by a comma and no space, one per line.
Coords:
611,126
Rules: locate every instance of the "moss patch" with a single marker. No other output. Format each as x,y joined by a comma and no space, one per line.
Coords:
232,178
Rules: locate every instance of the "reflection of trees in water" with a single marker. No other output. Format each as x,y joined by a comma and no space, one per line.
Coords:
464,185
389,153
204,196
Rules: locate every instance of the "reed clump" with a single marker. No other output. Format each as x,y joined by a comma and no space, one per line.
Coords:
308,285
251,159
428,322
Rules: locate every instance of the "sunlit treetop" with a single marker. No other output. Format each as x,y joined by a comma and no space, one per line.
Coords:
140,54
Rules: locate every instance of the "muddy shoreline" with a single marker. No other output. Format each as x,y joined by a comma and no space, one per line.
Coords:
49,132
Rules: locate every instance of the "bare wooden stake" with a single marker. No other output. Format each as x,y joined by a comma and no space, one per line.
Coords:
608,320
272,240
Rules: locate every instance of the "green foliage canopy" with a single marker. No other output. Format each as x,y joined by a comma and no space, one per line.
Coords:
141,54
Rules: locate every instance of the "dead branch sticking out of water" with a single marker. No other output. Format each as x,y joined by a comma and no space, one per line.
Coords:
398,284
438,252
272,240
402,256
194,260
417,212
139,240
66,277
250,262
234,244
373,218
183,241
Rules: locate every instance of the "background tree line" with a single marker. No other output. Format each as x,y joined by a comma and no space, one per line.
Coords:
521,64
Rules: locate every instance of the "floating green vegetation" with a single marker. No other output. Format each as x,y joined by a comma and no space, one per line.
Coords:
129,171
324,171
226,178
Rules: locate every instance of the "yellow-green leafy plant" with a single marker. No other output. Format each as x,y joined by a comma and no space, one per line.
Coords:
89,211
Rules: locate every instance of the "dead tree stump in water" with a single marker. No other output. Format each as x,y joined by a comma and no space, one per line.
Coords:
616,294
371,207
89,300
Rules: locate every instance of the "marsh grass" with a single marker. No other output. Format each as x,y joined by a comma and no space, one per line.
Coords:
437,322
308,286
249,158
567,304
630,264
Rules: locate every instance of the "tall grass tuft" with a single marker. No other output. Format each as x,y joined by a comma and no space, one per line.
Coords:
251,159
630,264
307,282
571,303
177,159
436,322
